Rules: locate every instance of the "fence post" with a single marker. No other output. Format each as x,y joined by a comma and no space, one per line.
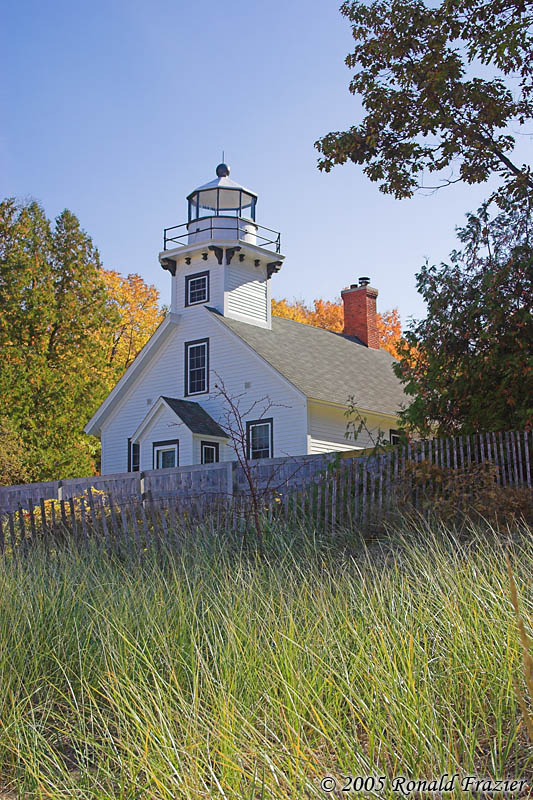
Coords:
142,488
60,490
231,478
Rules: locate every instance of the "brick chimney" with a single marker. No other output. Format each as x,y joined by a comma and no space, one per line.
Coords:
360,312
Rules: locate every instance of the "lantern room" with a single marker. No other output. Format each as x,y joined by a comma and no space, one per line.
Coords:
221,211
222,198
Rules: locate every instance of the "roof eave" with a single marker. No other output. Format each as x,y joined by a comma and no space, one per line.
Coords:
374,411
94,426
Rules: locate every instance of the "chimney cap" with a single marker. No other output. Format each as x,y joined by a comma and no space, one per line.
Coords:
364,281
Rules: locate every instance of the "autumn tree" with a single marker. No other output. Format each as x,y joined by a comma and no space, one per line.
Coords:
55,311
469,364
390,331
329,314
444,88
12,454
138,315
324,313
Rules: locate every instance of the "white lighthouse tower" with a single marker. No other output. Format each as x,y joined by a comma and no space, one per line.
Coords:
221,257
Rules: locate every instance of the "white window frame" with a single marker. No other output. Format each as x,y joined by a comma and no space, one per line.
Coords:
188,345
196,277
394,436
163,447
215,446
256,423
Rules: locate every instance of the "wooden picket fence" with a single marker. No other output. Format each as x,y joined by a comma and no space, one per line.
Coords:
354,491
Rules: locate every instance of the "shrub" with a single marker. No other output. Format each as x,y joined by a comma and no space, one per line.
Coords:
473,491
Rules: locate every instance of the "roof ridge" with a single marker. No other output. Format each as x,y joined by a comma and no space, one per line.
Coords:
354,339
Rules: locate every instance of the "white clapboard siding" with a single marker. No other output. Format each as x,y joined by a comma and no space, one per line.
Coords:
234,362
247,291
165,426
216,283
319,446
328,425
225,452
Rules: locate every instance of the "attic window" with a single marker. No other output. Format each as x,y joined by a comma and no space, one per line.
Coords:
197,288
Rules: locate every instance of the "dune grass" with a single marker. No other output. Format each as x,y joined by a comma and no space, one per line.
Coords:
216,673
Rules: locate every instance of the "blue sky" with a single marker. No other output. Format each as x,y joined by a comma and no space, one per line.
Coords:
117,110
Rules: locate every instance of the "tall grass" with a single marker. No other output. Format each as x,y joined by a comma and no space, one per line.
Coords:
215,673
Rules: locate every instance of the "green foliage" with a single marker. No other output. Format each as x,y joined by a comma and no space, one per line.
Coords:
357,424
420,74
54,308
469,364
215,674
12,454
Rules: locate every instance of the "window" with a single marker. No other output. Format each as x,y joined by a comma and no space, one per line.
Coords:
165,454
196,288
197,367
133,456
259,438
209,452
394,437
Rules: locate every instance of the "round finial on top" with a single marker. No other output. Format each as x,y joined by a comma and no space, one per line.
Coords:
222,170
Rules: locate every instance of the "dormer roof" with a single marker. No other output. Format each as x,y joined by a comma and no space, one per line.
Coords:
191,414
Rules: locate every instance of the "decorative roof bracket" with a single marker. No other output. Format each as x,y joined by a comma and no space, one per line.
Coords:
273,267
230,252
170,264
218,251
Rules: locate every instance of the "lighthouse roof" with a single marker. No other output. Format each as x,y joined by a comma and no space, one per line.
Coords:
222,181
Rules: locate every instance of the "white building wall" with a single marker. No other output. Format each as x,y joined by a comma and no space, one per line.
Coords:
225,453
327,428
165,426
247,291
234,362
216,281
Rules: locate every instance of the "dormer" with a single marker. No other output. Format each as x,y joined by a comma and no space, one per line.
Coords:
221,257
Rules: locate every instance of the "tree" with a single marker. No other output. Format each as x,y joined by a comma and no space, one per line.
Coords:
390,331
428,107
12,454
469,364
139,314
55,311
329,314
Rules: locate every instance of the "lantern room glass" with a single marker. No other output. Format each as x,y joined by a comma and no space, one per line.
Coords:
222,202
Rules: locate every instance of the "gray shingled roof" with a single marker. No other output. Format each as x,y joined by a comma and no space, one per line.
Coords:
325,365
194,417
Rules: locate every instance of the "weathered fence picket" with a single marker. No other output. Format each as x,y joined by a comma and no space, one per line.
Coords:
329,492
527,461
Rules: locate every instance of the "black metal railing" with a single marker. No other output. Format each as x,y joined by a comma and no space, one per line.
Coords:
243,228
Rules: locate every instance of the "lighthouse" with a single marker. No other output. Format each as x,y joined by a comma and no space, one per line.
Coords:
295,380
221,257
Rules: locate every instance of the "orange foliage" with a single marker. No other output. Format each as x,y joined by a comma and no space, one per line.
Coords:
390,331
137,304
329,314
